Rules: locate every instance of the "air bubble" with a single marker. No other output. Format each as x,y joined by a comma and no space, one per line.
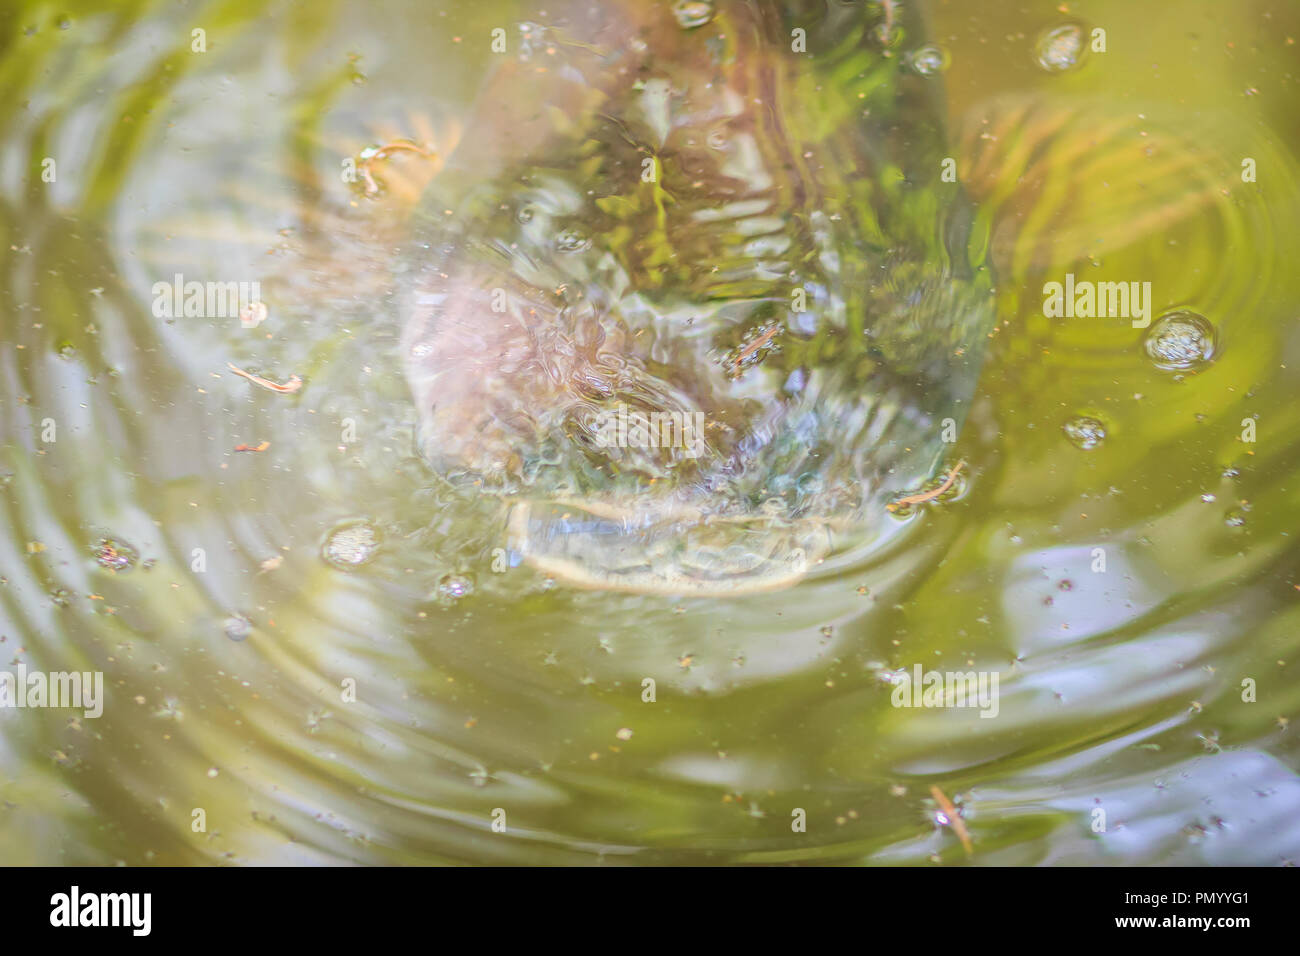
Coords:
237,627
572,240
929,60
1060,49
453,587
1180,341
1085,432
350,545
692,13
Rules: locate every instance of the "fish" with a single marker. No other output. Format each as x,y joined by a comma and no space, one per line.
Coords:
730,211
743,218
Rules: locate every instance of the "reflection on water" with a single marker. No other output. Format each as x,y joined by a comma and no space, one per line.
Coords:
312,620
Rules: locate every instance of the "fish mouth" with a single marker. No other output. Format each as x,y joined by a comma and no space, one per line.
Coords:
677,551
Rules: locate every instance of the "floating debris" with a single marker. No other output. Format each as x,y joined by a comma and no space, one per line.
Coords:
262,447
292,385
952,818
115,555
374,154
253,315
909,500
752,348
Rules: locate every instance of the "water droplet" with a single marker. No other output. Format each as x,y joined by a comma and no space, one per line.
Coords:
1060,49
61,597
237,627
1235,518
525,214
453,587
1181,340
1208,498
115,555
929,60
1085,432
692,13
351,544
1066,585
65,23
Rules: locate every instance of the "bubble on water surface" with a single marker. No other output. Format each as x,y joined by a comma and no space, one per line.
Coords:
1060,49
1180,341
693,13
350,545
237,627
572,240
929,60
1085,432
453,587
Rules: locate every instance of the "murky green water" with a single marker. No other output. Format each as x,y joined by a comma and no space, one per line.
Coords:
340,649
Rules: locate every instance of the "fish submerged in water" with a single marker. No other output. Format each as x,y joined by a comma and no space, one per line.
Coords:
696,300
693,301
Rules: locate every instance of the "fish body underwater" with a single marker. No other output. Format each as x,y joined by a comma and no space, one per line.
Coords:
693,297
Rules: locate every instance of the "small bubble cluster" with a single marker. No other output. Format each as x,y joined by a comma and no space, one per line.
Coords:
1085,432
453,587
1180,341
350,545
115,555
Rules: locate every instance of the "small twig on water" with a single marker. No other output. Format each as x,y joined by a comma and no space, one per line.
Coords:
954,819
292,385
921,496
755,345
